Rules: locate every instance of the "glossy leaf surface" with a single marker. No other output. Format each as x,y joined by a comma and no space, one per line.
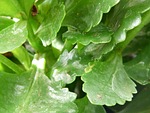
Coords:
32,92
51,24
105,80
13,36
67,67
128,16
99,34
84,15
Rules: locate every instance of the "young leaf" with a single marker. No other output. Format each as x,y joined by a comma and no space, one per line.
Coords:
84,15
13,36
86,107
107,83
26,5
51,24
33,92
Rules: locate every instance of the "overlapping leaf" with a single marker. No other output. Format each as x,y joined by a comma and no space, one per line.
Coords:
140,103
128,16
139,68
5,22
13,36
83,15
107,83
15,8
51,24
68,66
86,107
99,34
33,92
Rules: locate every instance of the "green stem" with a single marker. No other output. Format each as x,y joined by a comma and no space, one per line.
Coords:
10,64
131,34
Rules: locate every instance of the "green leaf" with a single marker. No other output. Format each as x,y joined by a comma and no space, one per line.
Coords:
26,5
96,51
45,6
23,56
98,34
140,104
5,22
128,16
84,15
10,8
33,92
139,68
51,24
11,65
107,83
15,8
86,107
13,36
67,67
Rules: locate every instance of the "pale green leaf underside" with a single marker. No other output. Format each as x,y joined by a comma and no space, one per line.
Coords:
85,14
13,36
98,34
48,29
33,92
107,83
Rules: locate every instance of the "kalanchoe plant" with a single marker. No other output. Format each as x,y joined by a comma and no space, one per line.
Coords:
74,56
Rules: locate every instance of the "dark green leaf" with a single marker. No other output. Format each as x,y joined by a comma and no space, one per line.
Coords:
138,68
13,36
99,34
51,24
128,16
107,83
140,104
84,15
86,107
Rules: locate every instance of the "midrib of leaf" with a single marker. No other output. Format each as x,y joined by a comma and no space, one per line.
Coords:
30,90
